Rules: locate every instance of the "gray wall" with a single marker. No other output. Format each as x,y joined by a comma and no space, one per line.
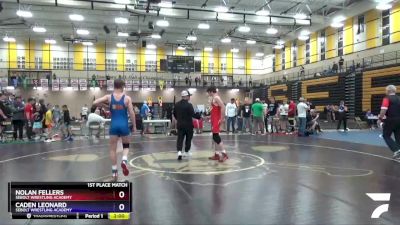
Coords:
76,99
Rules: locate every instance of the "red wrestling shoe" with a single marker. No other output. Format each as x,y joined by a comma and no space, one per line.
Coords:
223,158
124,167
215,157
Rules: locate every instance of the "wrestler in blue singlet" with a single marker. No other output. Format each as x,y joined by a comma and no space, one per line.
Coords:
119,117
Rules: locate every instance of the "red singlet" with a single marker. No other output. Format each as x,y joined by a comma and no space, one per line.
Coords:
215,117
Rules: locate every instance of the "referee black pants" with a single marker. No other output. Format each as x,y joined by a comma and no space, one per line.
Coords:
182,133
392,126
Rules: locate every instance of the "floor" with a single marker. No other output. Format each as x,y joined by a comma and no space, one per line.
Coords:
267,180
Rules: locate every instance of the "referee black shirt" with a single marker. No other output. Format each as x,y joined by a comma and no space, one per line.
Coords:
183,113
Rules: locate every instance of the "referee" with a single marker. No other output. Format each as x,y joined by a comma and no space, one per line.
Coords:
184,112
391,109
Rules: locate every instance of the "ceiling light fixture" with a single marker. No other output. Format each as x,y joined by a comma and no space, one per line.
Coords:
38,29
337,24
191,38
234,50
383,6
76,17
280,42
82,32
87,43
262,12
226,40
203,26
304,37
8,39
122,1
251,42
123,34
165,4
278,46
300,16
272,30
208,49
244,29
24,13
121,45
50,41
221,9
121,20
162,23
339,19
259,54
304,33
151,46
181,48
155,36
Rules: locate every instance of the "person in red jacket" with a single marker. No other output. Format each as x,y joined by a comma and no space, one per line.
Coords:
291,115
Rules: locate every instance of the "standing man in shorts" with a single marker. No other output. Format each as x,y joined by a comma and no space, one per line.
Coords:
120,106
217,120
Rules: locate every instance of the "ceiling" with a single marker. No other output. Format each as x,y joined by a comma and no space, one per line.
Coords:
183,18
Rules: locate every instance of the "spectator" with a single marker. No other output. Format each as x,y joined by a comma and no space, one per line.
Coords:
190,81
18,118
245,112
258,112
56,116
38,121
230,112
302,72
94,117
54,76
250,82
4,111
313,123
29,117
272,114
187,81
341,63
342,116
48,121
291,116
144,114
371,122
283,113
302,108
196,81
66,126
265,119
84,112
334,67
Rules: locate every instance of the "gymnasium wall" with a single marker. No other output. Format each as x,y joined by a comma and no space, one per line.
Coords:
76,99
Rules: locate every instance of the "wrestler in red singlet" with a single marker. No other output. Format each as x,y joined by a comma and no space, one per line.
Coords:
217,108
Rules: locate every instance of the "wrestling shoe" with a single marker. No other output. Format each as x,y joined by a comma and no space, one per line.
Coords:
223,157
396,155
124,167
114,175
215,157
187,154
179,155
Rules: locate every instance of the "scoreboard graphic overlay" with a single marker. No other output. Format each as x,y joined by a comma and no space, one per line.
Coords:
70,200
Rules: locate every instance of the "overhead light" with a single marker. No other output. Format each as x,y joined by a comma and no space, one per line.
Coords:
165,4
304,37
87,43
280,42
304,33
24,13
337,24
234,50
191,38
203,26
272,30
76,17
122,1
192,90
244,29
38,29
82,32
50,41
151,46
300,16
251,42
155,36
221,9
8,39
121,20
208,49
278,46
259,54
123,34
121,45
262,12
181,48
383,6
162,23
339,19
226,40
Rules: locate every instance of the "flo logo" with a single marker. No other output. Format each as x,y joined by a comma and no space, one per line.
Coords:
379,197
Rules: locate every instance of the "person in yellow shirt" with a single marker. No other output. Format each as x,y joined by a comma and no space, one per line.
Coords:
48,121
